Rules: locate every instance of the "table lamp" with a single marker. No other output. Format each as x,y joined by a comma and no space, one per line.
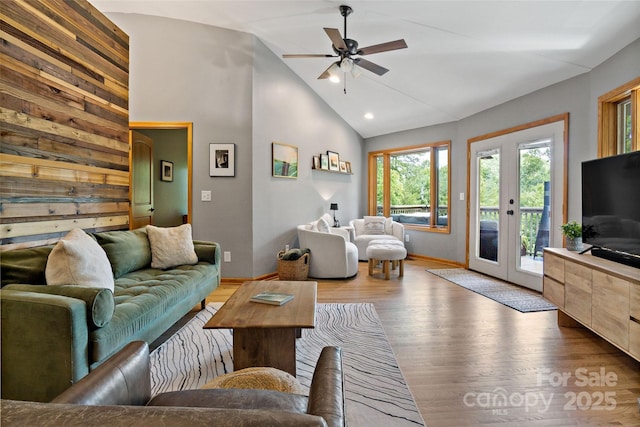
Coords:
334,208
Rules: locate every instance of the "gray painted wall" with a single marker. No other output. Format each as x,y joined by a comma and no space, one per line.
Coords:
235,90
577,95
286,110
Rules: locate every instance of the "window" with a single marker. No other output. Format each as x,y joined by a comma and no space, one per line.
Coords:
411,185
618,114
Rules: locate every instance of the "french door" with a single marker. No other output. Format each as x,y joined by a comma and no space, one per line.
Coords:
516,194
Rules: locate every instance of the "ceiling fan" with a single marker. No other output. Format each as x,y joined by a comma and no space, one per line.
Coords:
346,49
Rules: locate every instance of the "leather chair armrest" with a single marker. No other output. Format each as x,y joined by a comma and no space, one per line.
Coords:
326,393
123,379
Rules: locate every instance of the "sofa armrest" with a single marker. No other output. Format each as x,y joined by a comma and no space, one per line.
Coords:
397,229
100,301
326,393
44,344
207,251
123,379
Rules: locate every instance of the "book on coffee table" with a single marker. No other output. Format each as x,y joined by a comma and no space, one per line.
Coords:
273,298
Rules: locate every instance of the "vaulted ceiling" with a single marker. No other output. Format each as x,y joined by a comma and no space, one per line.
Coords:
462,57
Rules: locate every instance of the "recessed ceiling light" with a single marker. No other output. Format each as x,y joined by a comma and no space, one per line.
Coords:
368,116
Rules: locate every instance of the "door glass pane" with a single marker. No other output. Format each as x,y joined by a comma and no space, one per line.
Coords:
535,204
488,205
411,187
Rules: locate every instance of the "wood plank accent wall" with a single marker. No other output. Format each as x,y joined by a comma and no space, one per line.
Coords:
64,117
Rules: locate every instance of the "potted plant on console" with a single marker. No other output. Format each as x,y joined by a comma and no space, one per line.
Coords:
573,233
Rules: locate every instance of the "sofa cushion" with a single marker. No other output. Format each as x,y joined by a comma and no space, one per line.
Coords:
127,250
144,297
171,246
374,225
77,259
25,265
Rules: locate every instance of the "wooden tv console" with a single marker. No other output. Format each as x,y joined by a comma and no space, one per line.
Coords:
599,294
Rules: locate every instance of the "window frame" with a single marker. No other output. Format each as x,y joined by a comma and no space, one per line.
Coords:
608,118
433,196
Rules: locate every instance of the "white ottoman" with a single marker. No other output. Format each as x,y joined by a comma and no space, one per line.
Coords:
386,253
386,241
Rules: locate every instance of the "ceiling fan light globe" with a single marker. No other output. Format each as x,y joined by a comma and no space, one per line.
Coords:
346,65
356,72
334,79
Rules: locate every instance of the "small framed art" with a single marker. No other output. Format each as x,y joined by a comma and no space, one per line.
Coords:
348,167
284,160
222,159
166,170
343,166
316,162
324,162
334,161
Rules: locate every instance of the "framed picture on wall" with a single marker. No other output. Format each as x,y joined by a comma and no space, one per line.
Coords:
316,162
324,162
284,160
222,159
166,170
334,161
343,166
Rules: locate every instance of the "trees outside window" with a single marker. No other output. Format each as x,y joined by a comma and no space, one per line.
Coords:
411,185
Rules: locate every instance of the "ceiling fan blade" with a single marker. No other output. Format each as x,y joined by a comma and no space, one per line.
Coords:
368,65
336,38
309,55
383,47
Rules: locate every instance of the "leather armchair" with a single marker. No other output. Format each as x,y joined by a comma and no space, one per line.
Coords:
333,256
114,393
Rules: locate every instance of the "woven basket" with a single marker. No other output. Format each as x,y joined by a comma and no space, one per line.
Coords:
293,270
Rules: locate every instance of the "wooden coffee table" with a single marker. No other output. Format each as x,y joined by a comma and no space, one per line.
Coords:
264,334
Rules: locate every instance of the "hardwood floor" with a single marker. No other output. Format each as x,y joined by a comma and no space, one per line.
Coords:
461,353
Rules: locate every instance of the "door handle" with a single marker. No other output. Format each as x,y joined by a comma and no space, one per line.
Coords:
510,212
152,209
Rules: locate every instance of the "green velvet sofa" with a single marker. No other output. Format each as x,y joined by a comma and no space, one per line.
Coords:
52,336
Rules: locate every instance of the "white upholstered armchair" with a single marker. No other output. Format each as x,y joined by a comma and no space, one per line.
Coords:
333,256
372,228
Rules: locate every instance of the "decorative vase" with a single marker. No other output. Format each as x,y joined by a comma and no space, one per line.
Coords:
574,243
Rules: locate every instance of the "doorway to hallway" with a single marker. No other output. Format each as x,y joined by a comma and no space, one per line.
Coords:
173,146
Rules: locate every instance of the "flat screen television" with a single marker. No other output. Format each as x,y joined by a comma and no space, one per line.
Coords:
611,207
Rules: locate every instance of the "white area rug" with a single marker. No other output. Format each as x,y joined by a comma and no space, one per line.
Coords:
513,296
376,392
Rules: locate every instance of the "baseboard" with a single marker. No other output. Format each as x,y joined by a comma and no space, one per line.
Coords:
442,260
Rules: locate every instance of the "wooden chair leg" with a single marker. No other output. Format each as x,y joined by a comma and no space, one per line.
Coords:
401,268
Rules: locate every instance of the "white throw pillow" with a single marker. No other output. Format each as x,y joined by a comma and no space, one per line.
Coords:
77,259
323,225
374,224
171,246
